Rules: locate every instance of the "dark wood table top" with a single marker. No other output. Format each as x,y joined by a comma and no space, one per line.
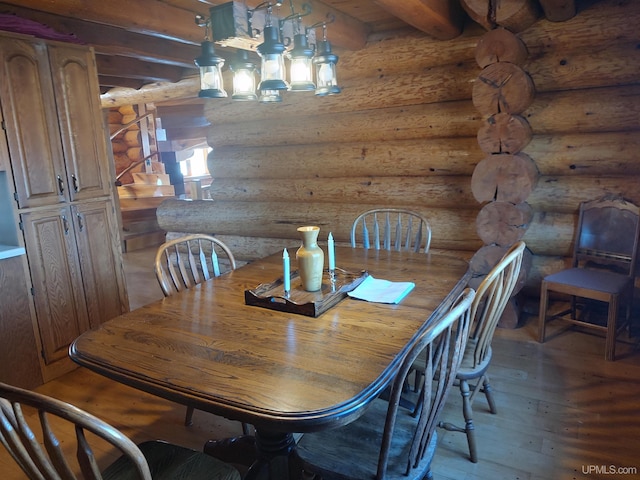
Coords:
280,371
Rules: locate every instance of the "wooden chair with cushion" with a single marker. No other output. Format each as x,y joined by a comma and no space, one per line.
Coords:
487,308
603,268
392,229
184,262
39,442
388,442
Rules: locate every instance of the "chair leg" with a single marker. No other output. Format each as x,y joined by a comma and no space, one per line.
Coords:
469,430
488,392
467,412
542,316
188,418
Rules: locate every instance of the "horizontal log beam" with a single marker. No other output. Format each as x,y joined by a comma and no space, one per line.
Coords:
399,123
151,93
433,192
593,154
420,158
454,230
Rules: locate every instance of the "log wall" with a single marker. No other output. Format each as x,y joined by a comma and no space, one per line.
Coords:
403,133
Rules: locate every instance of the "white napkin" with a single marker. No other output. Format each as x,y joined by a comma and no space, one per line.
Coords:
381,291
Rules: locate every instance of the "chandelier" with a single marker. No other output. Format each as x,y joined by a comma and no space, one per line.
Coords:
232,24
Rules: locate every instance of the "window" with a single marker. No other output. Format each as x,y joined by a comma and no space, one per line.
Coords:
196,164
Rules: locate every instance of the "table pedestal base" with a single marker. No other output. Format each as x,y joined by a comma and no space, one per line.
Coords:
269,456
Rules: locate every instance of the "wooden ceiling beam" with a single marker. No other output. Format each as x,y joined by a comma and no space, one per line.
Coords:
113,40
148,17
127,67
441,19
111,82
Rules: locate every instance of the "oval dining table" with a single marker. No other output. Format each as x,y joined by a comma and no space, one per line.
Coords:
282,372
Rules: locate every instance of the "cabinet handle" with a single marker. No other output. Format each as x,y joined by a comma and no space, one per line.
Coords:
80,222
65,224
60,185
75,183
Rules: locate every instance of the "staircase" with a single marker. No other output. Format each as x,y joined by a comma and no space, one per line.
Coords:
138,203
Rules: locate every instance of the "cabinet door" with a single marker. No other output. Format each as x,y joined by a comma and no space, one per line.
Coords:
55,272
19,364
100,261
75,82
30,117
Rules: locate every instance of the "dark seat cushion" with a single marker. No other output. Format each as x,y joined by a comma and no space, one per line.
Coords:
172,462
592,279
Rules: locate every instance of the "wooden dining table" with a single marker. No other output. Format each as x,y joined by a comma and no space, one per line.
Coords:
279,371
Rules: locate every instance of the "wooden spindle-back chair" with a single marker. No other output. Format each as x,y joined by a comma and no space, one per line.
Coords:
389,442
186,261
39,443
391,229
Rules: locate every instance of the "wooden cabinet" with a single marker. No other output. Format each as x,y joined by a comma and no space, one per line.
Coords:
64,196
77,97
33,135
100,260
57,283
76,278
53,89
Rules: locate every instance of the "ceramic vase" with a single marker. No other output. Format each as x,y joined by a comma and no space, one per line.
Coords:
310,259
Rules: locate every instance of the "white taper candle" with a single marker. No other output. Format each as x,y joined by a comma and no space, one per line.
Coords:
332,252
285,267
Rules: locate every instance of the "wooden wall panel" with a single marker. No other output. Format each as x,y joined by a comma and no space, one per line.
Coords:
403,132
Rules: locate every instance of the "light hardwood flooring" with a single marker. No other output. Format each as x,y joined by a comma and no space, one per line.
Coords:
563,412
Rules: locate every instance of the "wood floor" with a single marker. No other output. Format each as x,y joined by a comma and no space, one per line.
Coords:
563,412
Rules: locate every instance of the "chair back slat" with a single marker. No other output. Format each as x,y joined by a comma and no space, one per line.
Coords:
47,461
20,442
194,262
365,234
444,341
85,456
397,244
492,297
187,261
393,229
52,446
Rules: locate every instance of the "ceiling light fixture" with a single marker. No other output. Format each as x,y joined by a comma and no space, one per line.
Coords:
210,65
227,29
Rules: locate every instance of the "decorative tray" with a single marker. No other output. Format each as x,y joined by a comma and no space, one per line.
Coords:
311,304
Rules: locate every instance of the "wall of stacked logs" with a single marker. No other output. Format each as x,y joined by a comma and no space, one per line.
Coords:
405,132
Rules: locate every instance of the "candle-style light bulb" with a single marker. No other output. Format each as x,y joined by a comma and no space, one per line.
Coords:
286,276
